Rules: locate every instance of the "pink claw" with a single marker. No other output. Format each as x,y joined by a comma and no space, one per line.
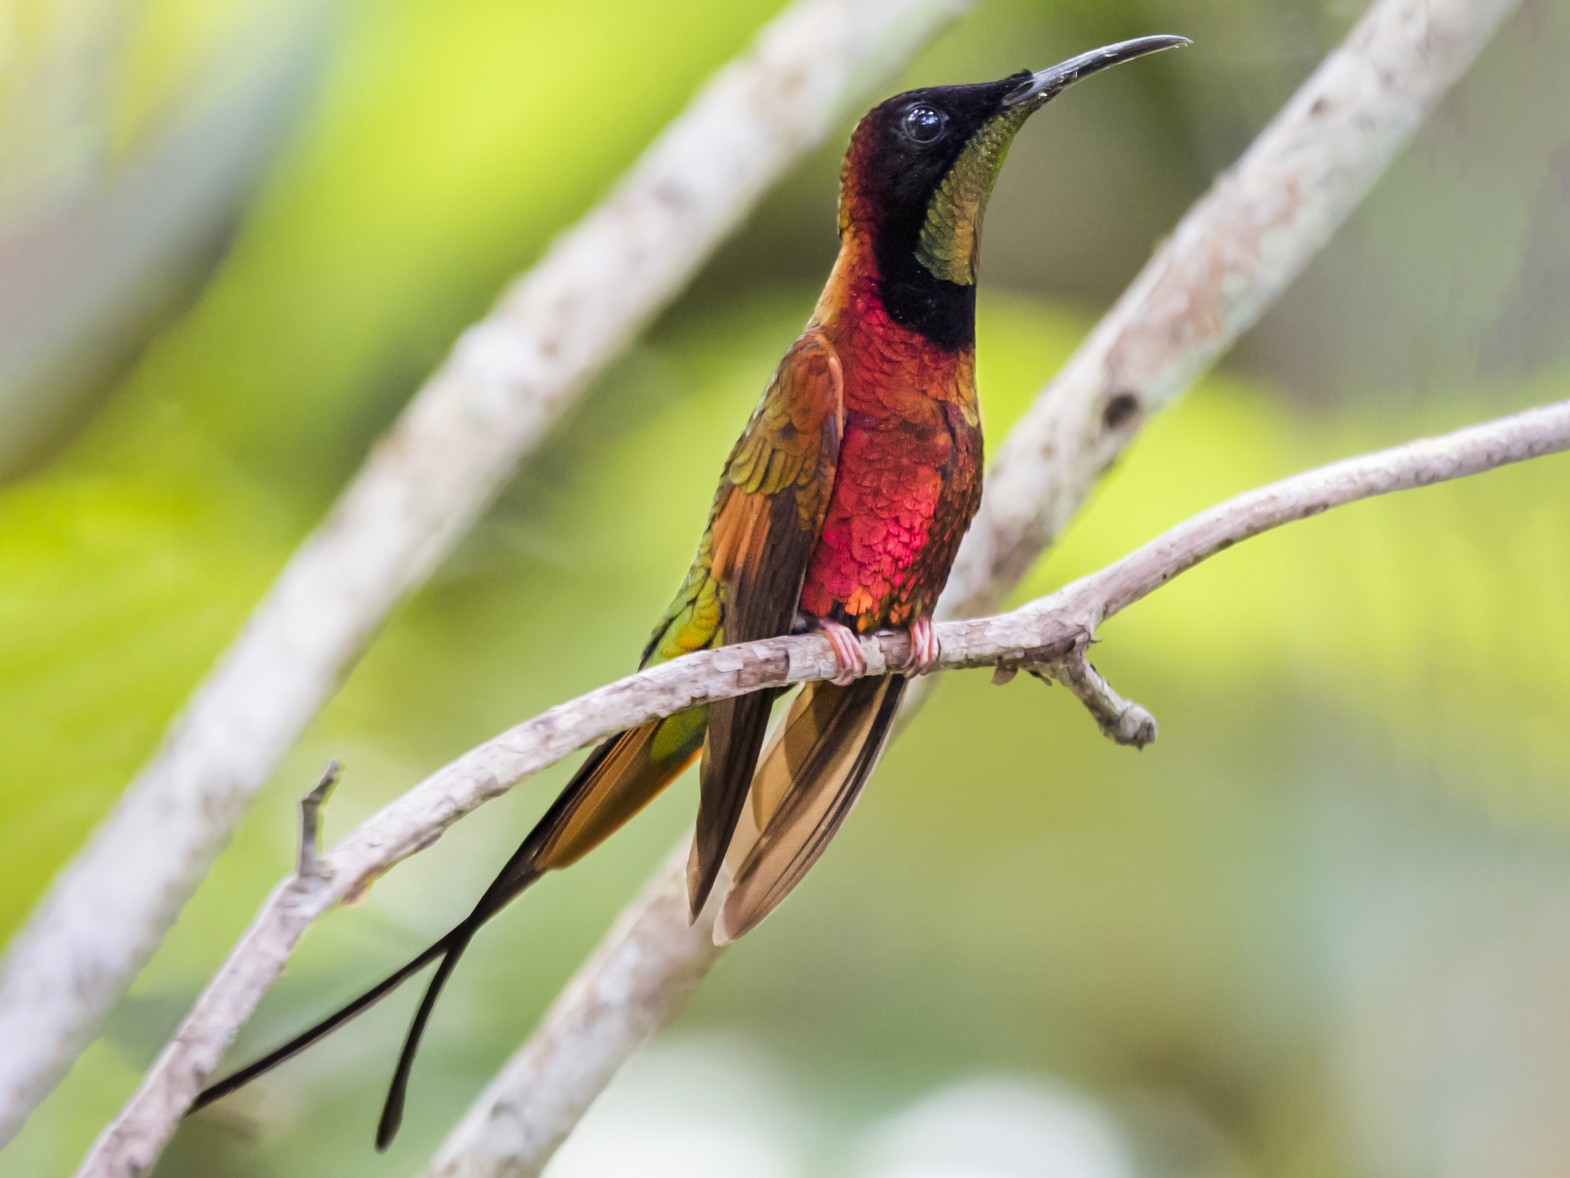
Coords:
847,651
924,647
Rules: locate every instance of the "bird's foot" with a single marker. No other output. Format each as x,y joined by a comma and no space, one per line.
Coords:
847,651
924,648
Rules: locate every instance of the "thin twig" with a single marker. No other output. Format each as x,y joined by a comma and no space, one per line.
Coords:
508,379
311,804
1122,721
1042,632
1228,261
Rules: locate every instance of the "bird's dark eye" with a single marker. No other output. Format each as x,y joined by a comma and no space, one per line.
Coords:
923,124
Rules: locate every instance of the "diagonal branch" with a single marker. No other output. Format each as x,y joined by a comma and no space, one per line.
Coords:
1225,264
505,383
1042,633
1228,261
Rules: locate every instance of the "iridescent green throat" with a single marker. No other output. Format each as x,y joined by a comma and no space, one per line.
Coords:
949,245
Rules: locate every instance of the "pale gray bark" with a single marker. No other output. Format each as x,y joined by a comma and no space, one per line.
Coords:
654,959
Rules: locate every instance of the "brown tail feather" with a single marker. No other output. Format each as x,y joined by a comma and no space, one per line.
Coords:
616,781
730,758
807,783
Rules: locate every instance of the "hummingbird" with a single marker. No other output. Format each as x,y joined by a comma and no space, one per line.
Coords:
839,510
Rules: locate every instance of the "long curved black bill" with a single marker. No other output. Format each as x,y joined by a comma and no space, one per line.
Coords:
1047,84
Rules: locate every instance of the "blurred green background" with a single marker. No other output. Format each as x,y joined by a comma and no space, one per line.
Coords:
1322,927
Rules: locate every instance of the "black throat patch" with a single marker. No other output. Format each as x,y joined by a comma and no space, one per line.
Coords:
940,311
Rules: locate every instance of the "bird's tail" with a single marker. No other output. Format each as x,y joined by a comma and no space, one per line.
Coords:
807,782
617,780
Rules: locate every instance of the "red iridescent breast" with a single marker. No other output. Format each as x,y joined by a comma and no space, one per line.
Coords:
909,472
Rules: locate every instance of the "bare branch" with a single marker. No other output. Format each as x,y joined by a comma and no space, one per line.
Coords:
310,821
611,1003
1228,261
653,953
508,379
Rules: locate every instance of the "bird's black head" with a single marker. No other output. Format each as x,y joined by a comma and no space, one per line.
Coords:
918,174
